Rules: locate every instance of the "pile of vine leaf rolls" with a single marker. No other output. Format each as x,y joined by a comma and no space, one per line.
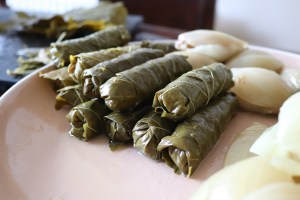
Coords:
149,94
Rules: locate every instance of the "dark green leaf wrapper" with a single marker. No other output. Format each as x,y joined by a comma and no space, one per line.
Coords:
196,136
59,77
148,132
137,85
119,125
71,96
166,46
87,119
113,36
182,97
82,61
100,73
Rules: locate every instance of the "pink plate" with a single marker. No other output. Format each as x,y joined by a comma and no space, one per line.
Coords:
40,161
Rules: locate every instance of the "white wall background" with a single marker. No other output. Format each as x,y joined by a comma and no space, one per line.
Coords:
270,23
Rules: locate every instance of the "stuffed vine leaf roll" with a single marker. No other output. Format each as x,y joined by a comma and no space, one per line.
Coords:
119,124
166,46
136,85
197,135
182,97
110,37
82,61
59,77
87,119
148,132
100,73
70,95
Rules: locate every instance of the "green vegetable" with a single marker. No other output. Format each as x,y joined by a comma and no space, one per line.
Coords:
110,37
182,97
100,73
137,85
70,95
148,132
59,77
196,136
166,46
119,124
87,119
82,61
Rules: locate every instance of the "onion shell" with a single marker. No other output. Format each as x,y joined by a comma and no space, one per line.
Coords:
259,90
255,58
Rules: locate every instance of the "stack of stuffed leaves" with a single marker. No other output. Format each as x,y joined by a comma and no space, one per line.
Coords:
194,89
82,61
70,95
137,85
110,37
87,119
119,125
196,136
100,73
148,132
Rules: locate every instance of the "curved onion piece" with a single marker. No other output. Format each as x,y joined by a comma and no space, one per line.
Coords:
241,178
239,148
292,78
288,122
281,143
259,90
218,45
254,58
276,191
286,132
196,58
265,144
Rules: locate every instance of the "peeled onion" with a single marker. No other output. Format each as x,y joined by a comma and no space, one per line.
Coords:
288,123
196,58
284,134
276,191
254,58
239,148
282,142
265,144
236,181
218,45
259,90
292,78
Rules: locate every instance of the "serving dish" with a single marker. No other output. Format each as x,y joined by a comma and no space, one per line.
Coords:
39,159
